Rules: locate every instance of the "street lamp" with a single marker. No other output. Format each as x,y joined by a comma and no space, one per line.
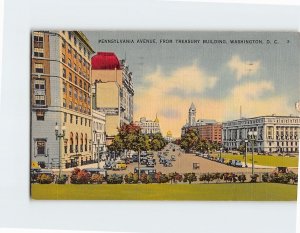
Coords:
252,137
60,134
96,148
246,144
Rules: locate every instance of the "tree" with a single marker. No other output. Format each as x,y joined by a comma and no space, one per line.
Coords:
189,140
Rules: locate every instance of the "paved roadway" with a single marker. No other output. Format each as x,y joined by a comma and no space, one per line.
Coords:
183,164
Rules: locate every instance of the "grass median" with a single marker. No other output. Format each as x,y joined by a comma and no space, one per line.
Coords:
199,192
265,160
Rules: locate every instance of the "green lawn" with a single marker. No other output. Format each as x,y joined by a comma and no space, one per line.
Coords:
274,161
214,192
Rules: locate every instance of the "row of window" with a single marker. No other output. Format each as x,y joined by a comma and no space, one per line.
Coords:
77,81
78,44
82,96
77,119
84,72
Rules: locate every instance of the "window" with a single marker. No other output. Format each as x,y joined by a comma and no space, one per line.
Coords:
40,100
70,90
38,40
64,72
84,51
76,107
70,35
80,95
63,43
76,120
38,52
75,94
75,41
71,118
64,104
65,117
76,80
64,87
39,84
84,86
81,121
63,58
80,83
69,49
80,46
70,105
69,63
39,67
70,77
75,67
40,115
40,147
85,121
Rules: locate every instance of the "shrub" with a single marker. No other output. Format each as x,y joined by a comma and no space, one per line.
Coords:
189,177
97,179
150,178
115,179
45,179
83,177
62,179
254,178
265,177
175,177
242,178
144,178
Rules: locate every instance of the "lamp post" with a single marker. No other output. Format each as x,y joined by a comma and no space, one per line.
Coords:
246,144
60,134
252,137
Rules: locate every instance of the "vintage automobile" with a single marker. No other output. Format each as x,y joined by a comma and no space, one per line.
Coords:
119,165
168,163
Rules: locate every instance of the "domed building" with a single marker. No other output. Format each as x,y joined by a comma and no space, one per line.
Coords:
149,126
112,90
169,137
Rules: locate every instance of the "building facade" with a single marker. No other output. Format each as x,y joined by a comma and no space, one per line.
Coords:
112,90
99,135
148,126
207,129
274,133
60,95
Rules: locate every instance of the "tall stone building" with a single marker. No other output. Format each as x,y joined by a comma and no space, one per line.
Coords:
207,129
60,98
112,91
274,133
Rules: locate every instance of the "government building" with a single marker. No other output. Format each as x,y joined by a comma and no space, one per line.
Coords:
274,133
61,118
207,129
148,126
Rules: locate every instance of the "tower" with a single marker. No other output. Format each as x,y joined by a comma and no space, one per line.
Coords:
192,115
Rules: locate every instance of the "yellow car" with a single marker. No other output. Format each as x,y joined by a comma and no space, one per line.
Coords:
119,165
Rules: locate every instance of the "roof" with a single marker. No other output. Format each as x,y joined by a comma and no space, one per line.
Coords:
156,119
192,107
105,61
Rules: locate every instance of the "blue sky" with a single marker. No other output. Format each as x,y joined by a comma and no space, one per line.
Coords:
218,78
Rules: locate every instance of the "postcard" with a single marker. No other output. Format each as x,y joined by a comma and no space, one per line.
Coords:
164,115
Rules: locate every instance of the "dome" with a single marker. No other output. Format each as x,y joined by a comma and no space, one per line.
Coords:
156,119
105,61
169,134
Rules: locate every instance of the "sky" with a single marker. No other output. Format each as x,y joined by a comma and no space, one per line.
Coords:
262,78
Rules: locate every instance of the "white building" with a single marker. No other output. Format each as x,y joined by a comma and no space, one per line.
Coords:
274,133
148,126
98,134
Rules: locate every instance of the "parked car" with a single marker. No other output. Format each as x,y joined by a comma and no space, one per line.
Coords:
168,163
119,165
147,170
173,158
150,164
107,165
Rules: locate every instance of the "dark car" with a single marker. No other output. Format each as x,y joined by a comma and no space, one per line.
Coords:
107,165
150,164
168,163
135,158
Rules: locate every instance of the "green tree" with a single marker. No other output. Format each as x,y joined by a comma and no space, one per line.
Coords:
189,140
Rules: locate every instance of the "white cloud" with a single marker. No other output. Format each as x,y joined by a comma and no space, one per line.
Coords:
243,68
256,98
